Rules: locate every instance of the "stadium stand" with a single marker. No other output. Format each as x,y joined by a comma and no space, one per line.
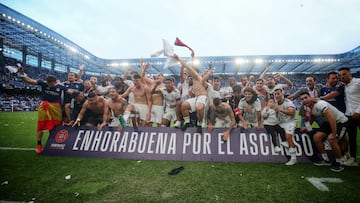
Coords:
42,51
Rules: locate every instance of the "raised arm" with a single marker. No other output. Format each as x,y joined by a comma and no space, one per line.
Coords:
262,75
190,70
80,73
207,76
126,74
147,80
288,83
182,75
154,90
24,77
296,94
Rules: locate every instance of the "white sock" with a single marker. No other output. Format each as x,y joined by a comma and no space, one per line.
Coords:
187,119
126,116
325,156
292,152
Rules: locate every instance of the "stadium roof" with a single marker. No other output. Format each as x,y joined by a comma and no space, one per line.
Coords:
19,32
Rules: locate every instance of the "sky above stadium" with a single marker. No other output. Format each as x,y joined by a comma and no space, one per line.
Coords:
116,29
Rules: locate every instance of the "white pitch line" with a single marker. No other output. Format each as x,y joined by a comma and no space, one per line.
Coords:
17,148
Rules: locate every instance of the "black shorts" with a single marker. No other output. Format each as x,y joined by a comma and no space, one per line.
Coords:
340,129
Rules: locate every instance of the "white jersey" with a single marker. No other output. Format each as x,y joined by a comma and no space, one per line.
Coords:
284,118
184,90
270,92
321,106
129,83
269,117
352,97
225,91
104,90
170,98
212,93
255,108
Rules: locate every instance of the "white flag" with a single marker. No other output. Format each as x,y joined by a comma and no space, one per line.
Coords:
169,52
12,69
168,48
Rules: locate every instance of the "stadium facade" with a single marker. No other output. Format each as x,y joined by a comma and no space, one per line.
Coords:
35,45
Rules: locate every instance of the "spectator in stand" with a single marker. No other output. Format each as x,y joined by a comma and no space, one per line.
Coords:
49,112
352,101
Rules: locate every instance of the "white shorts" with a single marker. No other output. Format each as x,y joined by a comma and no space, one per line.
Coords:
157,113
289,127
170,114
202,99
222,122
114,122
142,110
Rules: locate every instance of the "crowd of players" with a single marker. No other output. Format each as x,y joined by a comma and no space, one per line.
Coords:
200,102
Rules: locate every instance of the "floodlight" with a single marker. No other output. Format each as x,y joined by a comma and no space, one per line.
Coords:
196,62
259,61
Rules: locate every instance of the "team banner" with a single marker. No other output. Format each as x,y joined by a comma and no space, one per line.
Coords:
164,143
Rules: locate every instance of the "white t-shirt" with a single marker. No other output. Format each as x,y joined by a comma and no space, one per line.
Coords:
320,107
270,92
269,117
352,97
184,90
284,118
255,108
212,93
170,98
